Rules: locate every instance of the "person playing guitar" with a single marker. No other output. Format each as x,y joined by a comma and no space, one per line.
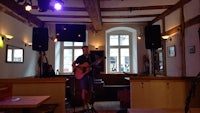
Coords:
83,70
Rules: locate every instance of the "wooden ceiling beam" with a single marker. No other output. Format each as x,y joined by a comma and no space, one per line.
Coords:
16,8
137,8
93,8
170,10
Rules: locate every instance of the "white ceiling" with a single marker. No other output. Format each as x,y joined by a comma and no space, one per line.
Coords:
97,12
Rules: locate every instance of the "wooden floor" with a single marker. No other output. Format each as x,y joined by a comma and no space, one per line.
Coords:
99,105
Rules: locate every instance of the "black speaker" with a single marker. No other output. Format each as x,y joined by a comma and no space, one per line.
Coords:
152,37
40,39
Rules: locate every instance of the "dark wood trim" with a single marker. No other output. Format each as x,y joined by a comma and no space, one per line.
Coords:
65,8
93,9
136,16
15,7
73,16
136,8
193,21
62,16
170,10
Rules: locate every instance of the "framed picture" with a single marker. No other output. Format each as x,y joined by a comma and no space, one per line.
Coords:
172,51
191,49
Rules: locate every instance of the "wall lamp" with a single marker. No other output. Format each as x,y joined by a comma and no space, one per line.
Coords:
140,36
28,44
165,37
54,39
9,37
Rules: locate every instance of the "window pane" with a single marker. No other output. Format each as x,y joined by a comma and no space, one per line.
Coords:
77,52
114,60
124,40
67,61
125,60
18,55
114,41
78,43
68,43
9,55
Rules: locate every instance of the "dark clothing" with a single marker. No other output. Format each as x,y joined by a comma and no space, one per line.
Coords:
81,59
51,72
45,67
87,81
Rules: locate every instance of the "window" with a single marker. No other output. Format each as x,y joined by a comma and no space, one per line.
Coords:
69,52
65,53
14,54
118,53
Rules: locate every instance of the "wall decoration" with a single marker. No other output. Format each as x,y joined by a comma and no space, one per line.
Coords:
192,49
172,51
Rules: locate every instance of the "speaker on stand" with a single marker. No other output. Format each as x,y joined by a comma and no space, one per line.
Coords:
153,42
40,40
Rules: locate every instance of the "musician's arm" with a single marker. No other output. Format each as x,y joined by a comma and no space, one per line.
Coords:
74,65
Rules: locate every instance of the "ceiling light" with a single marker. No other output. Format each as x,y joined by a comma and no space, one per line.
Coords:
58,4
28,7
26,3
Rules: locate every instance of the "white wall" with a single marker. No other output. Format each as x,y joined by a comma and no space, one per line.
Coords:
21,32
191,10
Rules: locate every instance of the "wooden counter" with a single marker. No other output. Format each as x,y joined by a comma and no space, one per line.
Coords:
161,92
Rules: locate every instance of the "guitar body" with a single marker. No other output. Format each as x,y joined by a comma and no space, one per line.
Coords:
84,68
81,70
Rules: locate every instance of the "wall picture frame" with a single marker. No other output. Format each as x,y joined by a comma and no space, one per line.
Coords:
192,49
172,51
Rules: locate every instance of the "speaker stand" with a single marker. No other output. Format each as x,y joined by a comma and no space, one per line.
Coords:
153,57
40,63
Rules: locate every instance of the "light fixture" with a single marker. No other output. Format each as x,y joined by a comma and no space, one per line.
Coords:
7,36
28,7
55,40
140,35
28,44
1,42
58,4
26,3
165,37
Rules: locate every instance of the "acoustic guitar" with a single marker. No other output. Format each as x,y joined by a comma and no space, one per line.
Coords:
83,69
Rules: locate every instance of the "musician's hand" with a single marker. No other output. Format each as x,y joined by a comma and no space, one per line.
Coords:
73,65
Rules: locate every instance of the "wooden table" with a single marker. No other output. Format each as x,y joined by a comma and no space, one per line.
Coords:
23,102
